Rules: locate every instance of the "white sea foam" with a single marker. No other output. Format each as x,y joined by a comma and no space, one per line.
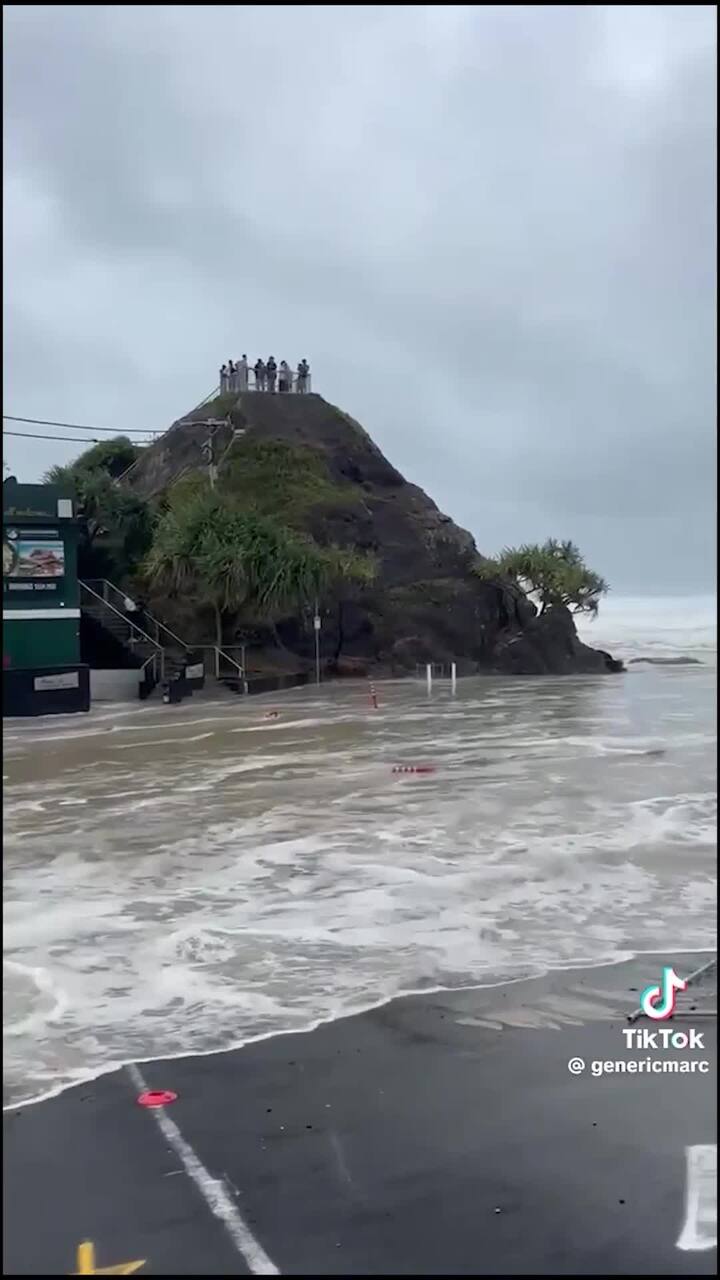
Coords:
664,626
209,890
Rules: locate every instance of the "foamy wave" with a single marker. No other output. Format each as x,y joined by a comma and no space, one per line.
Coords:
47,1003
211,891
660,627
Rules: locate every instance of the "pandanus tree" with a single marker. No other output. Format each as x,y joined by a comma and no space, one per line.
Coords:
238,561
554,573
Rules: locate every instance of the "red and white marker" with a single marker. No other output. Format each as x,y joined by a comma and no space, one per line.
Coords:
413,768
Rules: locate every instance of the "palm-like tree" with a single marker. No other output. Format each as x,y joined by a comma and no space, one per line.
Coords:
239,561
554,572
111,457
107,509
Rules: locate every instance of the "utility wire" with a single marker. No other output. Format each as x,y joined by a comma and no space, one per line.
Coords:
32,435
77,426
73,426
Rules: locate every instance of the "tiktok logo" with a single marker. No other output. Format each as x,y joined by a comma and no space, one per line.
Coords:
659,1002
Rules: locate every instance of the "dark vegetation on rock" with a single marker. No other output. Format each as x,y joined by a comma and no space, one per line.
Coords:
398,583
117,532
554,573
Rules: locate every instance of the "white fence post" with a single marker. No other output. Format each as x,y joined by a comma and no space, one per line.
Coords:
428,673
453,677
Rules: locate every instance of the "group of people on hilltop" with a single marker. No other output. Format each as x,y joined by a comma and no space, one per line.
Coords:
268,375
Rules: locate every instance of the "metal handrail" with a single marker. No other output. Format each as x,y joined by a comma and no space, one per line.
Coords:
212,395
218,391
203,648
133,626
233,386
442,670
160,626
229,649
152,659
222,653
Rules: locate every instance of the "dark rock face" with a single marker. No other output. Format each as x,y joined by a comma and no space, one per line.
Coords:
427,604
549,644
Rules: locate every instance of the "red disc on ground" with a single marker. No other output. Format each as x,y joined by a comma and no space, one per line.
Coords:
157,1098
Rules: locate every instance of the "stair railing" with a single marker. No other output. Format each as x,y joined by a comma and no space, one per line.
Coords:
109,591
103,590
136,632
217,654
152,664
222,653
211,396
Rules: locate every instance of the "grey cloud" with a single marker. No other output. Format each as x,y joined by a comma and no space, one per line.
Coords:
491,229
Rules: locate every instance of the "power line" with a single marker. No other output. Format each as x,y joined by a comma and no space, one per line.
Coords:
33,435
79,426
73,426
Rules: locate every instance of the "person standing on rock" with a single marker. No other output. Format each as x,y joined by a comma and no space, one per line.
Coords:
241,374
259,375
285,377
223,379
303,374
271,368
232,386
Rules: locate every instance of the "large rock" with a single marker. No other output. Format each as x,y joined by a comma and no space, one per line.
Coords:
549,644
669,662
427,605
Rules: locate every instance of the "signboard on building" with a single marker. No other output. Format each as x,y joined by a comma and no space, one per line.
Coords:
42,671
33,554
64,680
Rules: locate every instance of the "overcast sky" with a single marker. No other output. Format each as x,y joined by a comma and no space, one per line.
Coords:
491,230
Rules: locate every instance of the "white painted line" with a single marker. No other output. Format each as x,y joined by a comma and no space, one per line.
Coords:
211,1189
700,1226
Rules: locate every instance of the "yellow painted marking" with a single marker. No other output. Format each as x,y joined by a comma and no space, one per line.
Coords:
86,1263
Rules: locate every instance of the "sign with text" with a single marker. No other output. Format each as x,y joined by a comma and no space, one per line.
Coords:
64,680
29,555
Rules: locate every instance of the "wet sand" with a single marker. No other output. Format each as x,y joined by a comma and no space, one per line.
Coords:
438,1134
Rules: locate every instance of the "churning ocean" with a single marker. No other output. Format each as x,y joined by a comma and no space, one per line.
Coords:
183,879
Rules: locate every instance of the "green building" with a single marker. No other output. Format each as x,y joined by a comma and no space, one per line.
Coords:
42,672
